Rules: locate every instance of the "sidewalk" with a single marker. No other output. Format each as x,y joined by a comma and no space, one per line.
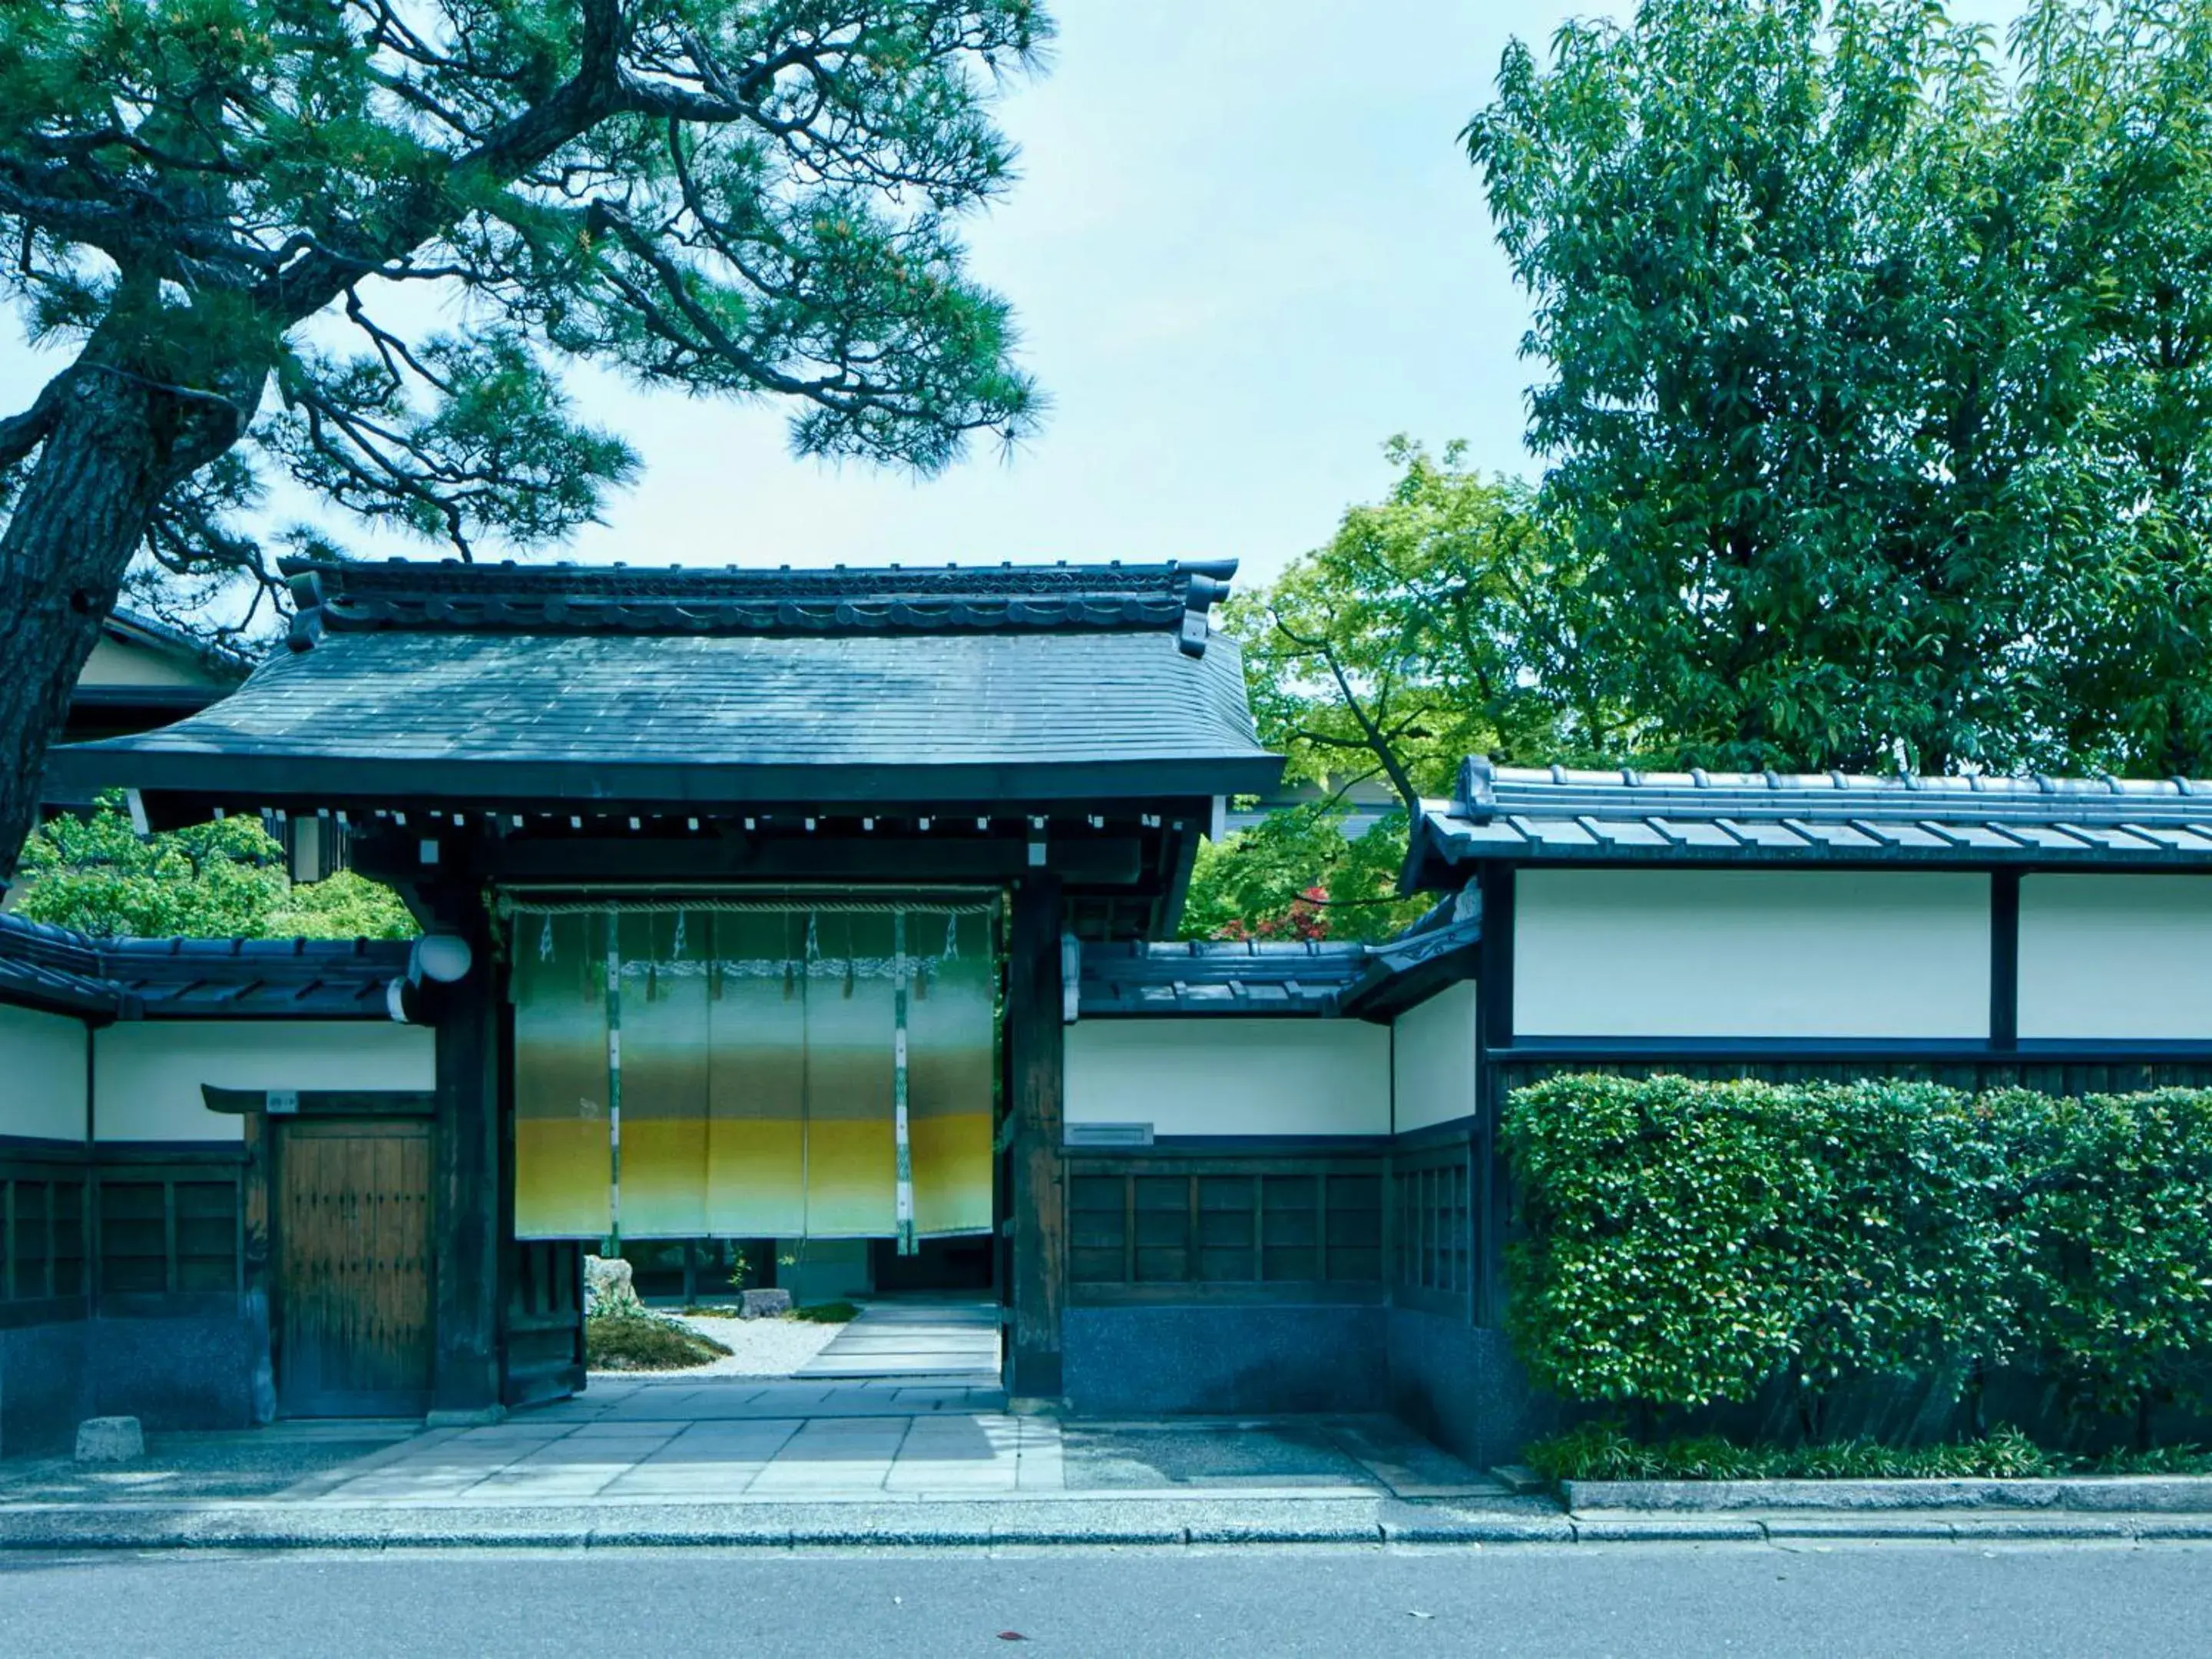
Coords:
792,1464
782,1461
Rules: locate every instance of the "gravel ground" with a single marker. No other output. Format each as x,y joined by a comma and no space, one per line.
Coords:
758,1347
238,1463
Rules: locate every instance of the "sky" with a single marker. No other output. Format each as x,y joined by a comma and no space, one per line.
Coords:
1246,248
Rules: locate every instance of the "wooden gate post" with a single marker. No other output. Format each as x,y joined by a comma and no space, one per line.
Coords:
1035,1046
464,1186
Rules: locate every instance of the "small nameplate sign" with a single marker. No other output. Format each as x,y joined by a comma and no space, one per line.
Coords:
284,1103
1109,1134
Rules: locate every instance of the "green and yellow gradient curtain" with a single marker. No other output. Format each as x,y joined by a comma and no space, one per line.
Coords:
731,1069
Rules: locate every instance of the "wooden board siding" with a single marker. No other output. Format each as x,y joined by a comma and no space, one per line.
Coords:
353,1240
543,1324
1165,1226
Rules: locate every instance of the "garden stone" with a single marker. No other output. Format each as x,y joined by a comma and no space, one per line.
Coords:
109,1440
607,1280
766,1304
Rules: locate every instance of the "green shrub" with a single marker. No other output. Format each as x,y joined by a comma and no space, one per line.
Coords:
2157,1460
828,1313
1688,1242
2115,1204
645,1342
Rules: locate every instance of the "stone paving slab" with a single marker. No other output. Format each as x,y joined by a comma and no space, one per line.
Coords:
923,1337
691,1399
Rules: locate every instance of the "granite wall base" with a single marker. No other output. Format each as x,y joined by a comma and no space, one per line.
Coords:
1460,1385
198,1371
46,1386
195,1373
1224,1360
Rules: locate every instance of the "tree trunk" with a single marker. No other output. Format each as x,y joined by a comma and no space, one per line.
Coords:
116,442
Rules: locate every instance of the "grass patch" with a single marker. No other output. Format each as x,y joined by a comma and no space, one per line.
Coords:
1602,1451
2158,1460
828,1313
645,1342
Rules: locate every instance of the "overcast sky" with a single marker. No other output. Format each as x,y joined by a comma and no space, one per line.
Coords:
1245,249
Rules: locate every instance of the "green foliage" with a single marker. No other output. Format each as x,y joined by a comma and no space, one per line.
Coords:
407,222
1606,1451
1433,625
1690,1241
827,1313
1296,874
622,1340
1436,623
221,880
1877,374
2113,1197
2157,1460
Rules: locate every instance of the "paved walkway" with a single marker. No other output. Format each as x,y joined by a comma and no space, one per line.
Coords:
934,1336
797,1442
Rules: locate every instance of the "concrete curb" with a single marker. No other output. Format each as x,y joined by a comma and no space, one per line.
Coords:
992,1525
2102,1494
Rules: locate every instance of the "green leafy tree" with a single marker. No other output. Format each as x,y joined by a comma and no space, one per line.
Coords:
357,241
1436,622
1297,875
1439,622
221,880
1873,372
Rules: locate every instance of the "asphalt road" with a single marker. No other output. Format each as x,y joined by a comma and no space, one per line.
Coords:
1624,1599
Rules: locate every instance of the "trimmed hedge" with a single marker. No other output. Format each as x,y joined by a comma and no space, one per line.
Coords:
1688,1242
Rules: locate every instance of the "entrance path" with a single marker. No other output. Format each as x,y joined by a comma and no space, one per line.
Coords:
925,1335
795,1442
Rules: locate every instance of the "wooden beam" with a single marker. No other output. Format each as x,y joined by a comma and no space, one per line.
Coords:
326,1103
465,1177
1086,860
1490,1191
1035,1045
2004,959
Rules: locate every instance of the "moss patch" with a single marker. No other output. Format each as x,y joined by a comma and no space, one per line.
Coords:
828,1313
643,1342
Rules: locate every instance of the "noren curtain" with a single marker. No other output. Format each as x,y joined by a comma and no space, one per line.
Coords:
686,1071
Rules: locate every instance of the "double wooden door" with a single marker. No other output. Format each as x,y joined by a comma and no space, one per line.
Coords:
352,1311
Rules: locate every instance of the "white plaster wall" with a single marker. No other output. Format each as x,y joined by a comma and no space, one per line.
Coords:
41,1074
1761,953
147,1073
2116,957
1432,1060
113,663
1231,1077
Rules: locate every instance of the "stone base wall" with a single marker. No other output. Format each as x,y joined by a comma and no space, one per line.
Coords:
1224,1360
46,1386
1460,1385
200,1371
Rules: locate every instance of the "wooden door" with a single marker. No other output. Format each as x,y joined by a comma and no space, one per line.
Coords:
353,1331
